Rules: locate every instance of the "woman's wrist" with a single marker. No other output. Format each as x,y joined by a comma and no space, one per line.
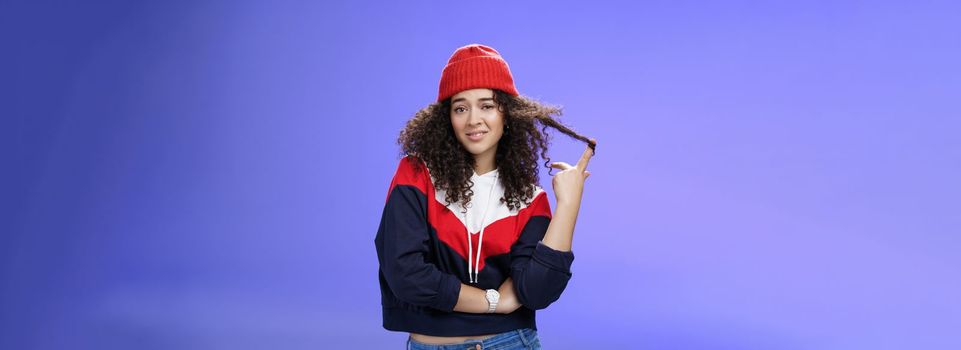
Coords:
508,299
573,204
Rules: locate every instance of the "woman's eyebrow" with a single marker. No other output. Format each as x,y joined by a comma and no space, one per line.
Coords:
465,99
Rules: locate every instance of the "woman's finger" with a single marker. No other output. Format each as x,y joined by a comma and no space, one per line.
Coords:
585,158
586,174
561,165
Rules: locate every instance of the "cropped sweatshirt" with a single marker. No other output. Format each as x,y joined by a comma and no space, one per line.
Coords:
424,255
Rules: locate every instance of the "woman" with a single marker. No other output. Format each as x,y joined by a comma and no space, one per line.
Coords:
467,244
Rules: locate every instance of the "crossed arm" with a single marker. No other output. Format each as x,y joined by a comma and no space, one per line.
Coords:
559,237
474,300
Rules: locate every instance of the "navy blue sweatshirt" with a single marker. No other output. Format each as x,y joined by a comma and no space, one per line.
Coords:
423,250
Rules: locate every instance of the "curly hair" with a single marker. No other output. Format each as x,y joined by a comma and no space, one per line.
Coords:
429,136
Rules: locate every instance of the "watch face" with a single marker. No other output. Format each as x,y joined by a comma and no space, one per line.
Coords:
492,296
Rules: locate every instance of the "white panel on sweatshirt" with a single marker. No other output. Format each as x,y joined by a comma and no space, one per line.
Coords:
479,202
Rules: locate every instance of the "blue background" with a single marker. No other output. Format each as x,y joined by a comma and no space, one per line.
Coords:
210,175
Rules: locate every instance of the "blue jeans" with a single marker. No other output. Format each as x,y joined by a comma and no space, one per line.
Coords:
518,339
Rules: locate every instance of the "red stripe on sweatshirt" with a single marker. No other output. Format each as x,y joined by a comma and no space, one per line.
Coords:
409,174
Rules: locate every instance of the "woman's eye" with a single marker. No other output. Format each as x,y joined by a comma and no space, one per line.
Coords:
459,109
488,106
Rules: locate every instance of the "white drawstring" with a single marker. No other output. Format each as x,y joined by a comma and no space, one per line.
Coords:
472,266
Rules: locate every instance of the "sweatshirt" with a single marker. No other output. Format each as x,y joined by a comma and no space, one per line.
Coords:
424,255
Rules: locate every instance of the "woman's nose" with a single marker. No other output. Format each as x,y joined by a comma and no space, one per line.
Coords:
473,118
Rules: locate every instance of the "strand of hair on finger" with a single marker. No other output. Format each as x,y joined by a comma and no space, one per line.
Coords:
551,122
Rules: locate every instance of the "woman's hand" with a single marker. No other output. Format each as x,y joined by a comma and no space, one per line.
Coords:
569,183
508,300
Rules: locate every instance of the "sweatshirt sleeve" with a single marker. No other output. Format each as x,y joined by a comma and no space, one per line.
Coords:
402,244
540,273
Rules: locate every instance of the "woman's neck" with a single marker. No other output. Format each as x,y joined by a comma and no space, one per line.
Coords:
484,163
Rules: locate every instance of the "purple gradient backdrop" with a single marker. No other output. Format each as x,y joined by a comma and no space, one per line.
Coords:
201,175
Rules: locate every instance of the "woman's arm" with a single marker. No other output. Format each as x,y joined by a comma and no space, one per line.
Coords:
474,300
560,232
542,256
568,188
471,299
402,244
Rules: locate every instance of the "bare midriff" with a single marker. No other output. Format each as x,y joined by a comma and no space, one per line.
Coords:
432,340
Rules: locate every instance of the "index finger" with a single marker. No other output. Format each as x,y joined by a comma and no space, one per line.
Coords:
585,158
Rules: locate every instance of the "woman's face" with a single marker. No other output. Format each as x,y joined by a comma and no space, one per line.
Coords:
478,124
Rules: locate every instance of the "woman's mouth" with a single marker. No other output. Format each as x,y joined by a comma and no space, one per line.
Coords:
476,136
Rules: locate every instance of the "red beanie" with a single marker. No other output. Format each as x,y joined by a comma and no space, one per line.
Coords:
475,66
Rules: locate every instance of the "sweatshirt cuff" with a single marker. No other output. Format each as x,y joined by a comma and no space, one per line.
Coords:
448,293
553,259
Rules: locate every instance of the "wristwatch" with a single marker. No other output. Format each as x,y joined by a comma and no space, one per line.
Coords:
492,297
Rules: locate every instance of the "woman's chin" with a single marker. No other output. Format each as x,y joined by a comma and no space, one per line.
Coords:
476,151
476,148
